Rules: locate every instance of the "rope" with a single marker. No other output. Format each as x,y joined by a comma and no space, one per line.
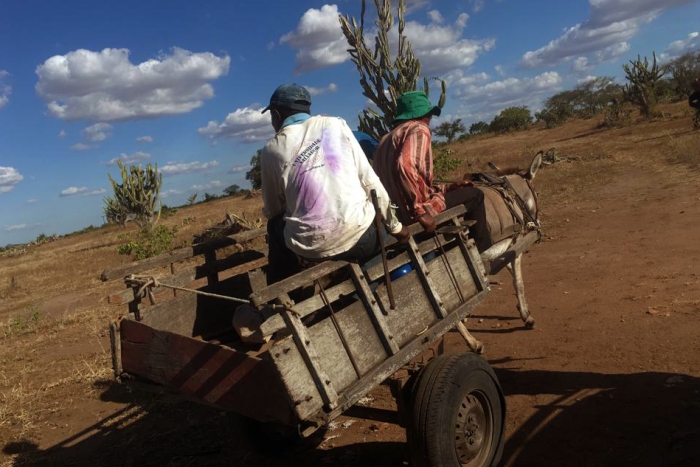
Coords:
146,284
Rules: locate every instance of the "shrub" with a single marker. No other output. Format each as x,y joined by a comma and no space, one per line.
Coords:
511,119
444,163
148,242
478,128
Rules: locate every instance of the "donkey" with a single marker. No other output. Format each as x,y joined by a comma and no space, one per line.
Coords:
512,215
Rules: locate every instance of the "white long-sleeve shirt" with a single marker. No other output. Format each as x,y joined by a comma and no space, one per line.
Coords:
316,174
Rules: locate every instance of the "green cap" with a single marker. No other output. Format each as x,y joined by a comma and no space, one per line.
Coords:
414,104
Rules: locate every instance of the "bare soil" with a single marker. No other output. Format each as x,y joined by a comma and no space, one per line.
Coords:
610,376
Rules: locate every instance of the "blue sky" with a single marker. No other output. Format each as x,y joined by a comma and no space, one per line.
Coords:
182,83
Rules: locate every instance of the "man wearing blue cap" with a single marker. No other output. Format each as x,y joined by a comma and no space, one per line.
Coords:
404,162
316,185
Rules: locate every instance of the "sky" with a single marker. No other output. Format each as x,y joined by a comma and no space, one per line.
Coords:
180,84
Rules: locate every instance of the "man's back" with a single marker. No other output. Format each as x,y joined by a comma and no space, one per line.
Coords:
313,173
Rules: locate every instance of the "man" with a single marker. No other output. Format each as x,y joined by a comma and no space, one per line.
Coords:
404,162
316,185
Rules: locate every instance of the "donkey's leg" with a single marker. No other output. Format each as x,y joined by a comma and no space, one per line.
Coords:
473,344
515,269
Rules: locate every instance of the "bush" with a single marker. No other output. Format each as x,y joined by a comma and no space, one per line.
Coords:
443,163
148,242
478,128
511,119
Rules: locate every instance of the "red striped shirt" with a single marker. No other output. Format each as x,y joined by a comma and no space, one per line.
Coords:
404,163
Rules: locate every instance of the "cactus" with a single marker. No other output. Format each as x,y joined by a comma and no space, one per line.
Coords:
136,198
641,90
382,78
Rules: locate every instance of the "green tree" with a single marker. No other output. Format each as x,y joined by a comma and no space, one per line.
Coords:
254,174
511,119
478,128
191,199
382,77
643,79
232,190
450,130
136,197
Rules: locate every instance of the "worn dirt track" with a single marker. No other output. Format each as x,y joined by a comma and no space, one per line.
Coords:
610,376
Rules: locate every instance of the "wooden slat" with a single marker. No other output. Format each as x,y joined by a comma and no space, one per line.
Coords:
187,276
375,313
422,270
372,379
213,374
522,244
180,254
310,356
291,283
177,315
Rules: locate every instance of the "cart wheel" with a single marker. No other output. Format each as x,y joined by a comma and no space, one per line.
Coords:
458,414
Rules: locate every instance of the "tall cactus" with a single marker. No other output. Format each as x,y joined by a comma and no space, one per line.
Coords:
641,89
382,78
136,198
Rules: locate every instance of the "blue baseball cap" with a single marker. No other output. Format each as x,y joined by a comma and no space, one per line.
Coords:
290,96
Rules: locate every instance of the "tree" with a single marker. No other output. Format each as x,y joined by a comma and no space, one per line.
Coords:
450,130
643,79
136,197
383,78
191,199
478,128
232,190
511,119
254,174
684,70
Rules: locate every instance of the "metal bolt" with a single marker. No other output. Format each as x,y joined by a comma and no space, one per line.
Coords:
471,441
328,381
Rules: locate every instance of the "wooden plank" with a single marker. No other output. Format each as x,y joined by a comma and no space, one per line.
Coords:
423,272
257,279
291,283
209,259
372,307
413,313
177,315
185,277
452,278
372,379
275,323
522,244
216,375
115,345
180,254
310,356
362,340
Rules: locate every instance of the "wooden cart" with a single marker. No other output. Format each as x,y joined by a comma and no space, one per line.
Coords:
326,349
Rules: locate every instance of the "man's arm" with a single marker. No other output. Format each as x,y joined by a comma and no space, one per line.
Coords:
272,187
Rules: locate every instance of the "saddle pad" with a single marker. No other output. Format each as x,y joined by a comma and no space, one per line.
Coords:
501,222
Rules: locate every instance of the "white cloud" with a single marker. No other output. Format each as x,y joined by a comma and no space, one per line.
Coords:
612,52
100,191
208,186
9,177
611,22
500,70
5,90
435,16
581,65
32,201
106,86
414,5
129,158
440,48
81,147
316,91
168,193
239,168
483,101
247,123
174,168
144,139
318,40
679,47
97,132
73,190
62,134
12,228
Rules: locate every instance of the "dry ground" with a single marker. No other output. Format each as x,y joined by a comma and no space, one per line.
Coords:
610,376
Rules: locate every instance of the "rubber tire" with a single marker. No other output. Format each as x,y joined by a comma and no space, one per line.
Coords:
437,397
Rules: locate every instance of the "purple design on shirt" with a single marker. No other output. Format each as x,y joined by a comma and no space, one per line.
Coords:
333,149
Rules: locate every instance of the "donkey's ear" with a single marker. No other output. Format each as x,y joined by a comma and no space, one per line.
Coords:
534,166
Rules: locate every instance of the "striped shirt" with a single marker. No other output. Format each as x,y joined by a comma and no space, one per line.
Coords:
404,163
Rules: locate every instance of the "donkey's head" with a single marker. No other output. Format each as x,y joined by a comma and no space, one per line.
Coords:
519,182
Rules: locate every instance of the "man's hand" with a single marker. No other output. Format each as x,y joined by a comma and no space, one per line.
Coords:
428,222
402,235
